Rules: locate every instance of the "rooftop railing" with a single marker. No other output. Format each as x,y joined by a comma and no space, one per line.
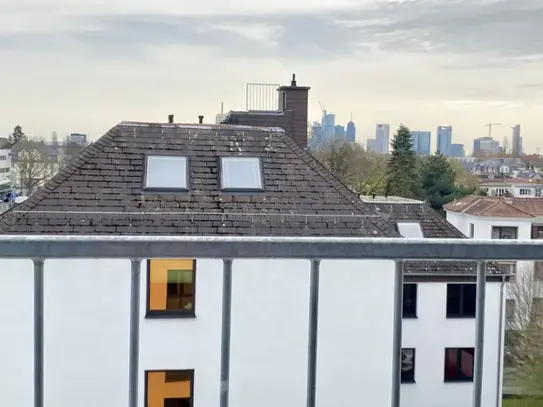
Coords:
136,248
261,96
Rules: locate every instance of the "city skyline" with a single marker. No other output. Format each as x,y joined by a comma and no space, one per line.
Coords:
86,66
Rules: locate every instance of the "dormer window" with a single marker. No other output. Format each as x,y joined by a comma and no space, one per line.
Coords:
410,230
166,173
241,174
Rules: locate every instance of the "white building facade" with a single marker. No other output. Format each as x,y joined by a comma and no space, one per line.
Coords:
169,180
87,335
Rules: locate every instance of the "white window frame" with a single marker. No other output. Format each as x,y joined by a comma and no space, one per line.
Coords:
229,186
182,186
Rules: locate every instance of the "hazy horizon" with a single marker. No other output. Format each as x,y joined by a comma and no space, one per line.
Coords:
85,66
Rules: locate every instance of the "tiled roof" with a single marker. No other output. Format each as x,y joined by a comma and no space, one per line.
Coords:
502,207
433,226
101,192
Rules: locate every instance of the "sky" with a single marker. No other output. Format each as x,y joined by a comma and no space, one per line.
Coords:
83,66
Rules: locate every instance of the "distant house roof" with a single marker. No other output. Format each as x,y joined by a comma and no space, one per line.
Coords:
432,225
102,191
502,207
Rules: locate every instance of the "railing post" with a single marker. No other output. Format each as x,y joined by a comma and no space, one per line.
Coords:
479,334
38,332
225,332
133,362
397,334
313,333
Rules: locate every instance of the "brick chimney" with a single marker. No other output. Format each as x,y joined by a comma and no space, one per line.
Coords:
295,99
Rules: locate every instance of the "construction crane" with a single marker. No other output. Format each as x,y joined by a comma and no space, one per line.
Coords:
490,125
323,111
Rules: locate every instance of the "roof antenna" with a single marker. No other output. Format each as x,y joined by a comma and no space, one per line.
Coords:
200,119
170,118
293,82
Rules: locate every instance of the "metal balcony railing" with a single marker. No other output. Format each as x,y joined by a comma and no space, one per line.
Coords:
261,96
40,248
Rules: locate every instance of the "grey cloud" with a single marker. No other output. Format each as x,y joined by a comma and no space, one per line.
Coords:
504,31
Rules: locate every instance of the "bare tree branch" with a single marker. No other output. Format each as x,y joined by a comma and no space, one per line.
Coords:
33,166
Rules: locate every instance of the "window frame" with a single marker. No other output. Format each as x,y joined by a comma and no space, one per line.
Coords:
499,228
461,313
410,315
458,377
227,190
146,166
146,375
413,379
170,314
471,230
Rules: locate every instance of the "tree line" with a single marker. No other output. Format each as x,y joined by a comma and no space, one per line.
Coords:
435,179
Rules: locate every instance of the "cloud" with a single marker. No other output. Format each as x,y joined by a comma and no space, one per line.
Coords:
496,33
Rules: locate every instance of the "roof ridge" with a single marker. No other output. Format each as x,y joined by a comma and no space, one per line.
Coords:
487,208
327,175
88,152
472,203
518,209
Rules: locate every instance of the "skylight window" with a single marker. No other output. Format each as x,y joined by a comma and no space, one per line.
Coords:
410,230
166,173
241,174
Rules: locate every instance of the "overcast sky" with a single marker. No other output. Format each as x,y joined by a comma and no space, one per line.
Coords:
83,66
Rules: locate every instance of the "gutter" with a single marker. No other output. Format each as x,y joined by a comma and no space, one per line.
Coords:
501,350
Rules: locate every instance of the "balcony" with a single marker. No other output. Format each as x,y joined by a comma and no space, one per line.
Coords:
41,248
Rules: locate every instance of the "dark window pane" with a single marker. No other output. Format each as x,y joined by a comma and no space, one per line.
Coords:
468,299
410,300
459,364
451,358
466,363
453,299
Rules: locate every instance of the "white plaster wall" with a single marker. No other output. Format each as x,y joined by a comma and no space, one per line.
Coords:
87,332
432,332
16,333
354,362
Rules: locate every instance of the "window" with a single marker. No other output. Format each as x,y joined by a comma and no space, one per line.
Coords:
241,174
166,173
537,309
169,388
538,271
510,308
409,300
461,300
171,288
471,230
504,232
459,364
410,230
525,191
408,365
537,232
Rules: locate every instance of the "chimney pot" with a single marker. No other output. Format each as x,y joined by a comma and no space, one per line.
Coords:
200,119
170,118
293,82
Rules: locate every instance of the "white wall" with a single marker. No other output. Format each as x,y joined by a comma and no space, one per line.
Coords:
87,332
483,225
432,332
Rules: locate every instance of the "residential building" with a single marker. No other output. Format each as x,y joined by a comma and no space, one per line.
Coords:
351,132
382,138
168,179
444,140
484,217
6,182
78,138
370,145
517,141
421,142
517,188
457,150
33,164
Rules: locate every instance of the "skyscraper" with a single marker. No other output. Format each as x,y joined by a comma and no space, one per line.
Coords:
328,126
382,136
421,142
351,132
444,139
517,141
339,131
